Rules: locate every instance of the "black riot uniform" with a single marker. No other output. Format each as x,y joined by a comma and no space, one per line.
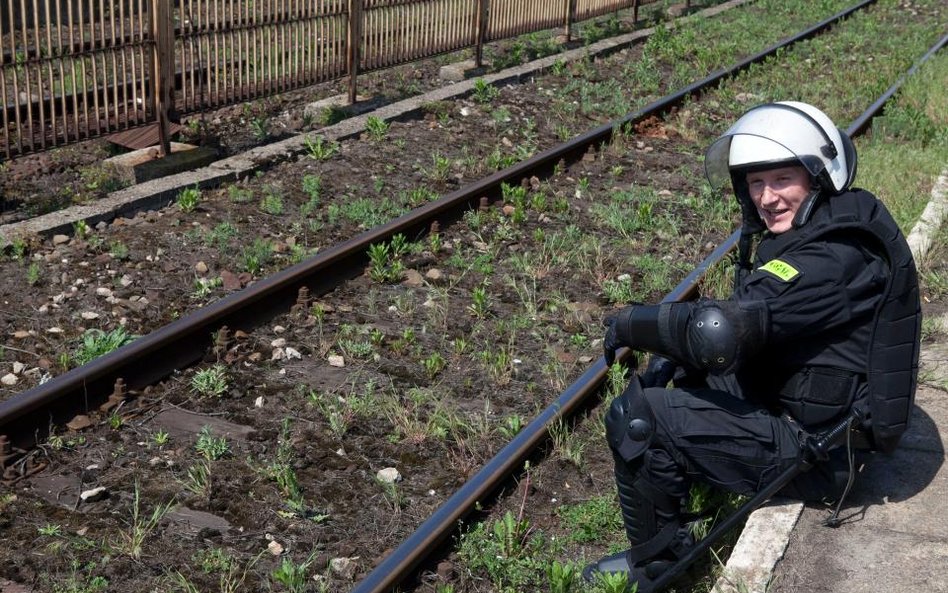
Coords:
812,313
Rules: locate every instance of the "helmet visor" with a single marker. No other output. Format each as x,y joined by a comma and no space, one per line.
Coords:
771,134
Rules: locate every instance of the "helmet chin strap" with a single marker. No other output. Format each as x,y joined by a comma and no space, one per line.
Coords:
806,208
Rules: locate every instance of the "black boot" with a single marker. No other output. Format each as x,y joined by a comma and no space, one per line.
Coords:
653,526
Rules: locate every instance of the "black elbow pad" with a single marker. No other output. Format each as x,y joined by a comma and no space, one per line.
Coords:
720,333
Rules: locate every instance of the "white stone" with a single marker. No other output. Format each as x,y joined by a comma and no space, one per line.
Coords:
293,353
200,267
275,548
102,291
89,315
278,343
9,379
18,367
94,494
125,281
258,403
344,567
336,361
278,354
278,329
54,330
60,239
389,475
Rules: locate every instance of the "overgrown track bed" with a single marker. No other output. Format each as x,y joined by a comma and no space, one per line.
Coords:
505,305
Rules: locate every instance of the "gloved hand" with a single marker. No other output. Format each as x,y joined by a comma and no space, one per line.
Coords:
659,372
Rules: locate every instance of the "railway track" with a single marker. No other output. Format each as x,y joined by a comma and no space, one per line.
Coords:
119,381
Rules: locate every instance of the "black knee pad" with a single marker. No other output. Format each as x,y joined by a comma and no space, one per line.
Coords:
630,423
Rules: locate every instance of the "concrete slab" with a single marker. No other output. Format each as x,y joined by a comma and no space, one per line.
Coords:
146,164
461,70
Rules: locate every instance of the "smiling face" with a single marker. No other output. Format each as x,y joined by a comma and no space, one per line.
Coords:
778,194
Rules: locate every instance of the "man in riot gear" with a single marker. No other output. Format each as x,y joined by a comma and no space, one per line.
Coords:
824,317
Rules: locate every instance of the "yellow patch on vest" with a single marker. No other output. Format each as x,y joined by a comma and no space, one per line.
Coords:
780,269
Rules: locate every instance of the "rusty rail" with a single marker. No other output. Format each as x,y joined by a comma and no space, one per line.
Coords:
72,70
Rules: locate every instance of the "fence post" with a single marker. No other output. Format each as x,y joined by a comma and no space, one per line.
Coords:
162,30
355,45
570,18
635,12
480,23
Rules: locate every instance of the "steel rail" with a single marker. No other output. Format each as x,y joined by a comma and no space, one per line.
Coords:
25,418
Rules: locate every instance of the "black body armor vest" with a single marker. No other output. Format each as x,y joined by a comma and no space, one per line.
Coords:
891,371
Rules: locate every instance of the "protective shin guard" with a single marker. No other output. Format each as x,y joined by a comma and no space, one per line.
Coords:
652,525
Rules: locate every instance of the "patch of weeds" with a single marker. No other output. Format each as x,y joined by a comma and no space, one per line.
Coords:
597,519
332,114
210,447
96,343
255,256
566,444
210,382
198,479
204,287
364,212
484,92
385,260
118,250
272,202
376,128
562,577
506,550
221,235
188,199
239,195
33,273
82,579
320,149
619,290
141,525
293,576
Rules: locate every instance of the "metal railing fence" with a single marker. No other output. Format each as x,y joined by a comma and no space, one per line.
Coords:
72,70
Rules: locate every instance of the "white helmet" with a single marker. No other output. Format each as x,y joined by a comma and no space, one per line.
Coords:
776,134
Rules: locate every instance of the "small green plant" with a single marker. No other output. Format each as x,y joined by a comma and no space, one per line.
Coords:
189,199
210,382
272,203
376,128
434,364
615,582
484,92
203,287
619,290
210,447
33,273
160,438
81,229
239,194
141,526
561,577
260,126
480,302
256,255
51,530
198,479
118,250
385,263
512,426
292,575
96,343
592,520
19,246
320,149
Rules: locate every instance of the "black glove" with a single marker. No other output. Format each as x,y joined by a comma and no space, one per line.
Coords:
659,372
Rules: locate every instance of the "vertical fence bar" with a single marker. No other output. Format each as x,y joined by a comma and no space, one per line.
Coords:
569,8
635,12
163,35
353,52
480,32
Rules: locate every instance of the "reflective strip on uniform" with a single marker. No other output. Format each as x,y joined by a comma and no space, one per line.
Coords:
780,269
